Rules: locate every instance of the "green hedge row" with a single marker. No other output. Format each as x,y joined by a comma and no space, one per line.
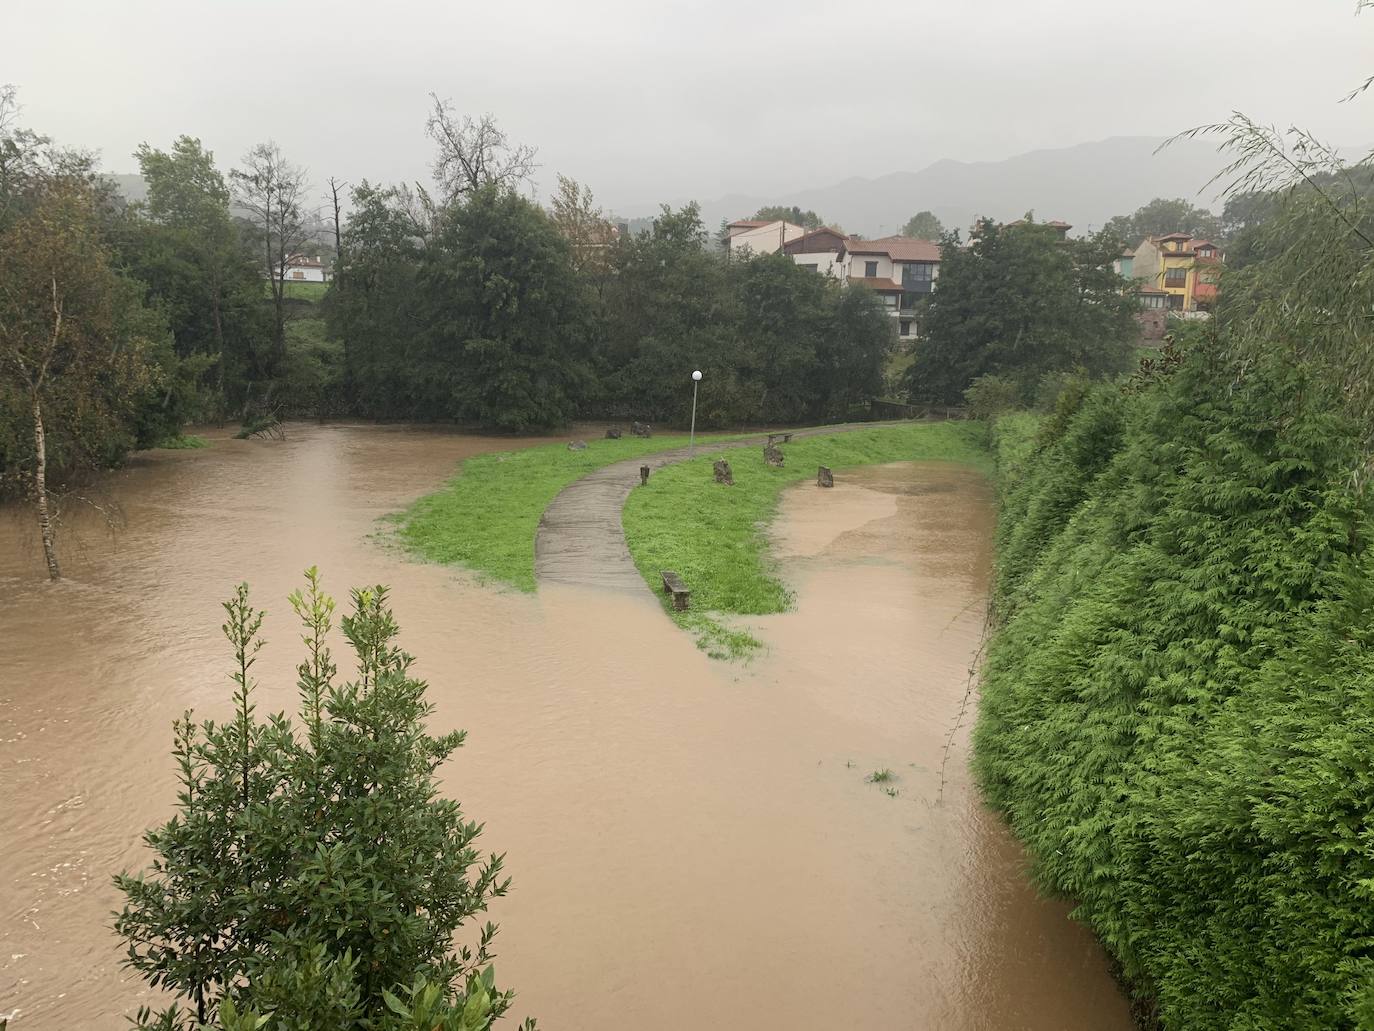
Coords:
1178,701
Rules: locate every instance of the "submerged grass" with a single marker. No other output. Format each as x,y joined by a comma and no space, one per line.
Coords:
181,442
485,518
714,536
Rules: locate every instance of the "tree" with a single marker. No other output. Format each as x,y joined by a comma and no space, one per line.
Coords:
1162,216
313,871
474,154
374,307
507,320
1020,302
924,226
584,225
184,244
793,214
64,361
272,190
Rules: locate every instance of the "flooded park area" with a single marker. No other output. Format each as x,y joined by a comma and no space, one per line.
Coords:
692,843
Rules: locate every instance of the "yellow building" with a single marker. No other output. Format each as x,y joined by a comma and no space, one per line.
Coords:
1184,268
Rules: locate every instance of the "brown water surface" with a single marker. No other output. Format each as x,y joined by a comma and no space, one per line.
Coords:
693,844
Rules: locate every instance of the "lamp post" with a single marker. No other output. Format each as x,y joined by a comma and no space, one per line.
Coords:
692,440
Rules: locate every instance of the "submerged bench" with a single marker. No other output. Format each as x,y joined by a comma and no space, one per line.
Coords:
672,584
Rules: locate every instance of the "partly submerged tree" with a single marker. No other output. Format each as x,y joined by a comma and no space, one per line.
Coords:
74,361
924,226
313,874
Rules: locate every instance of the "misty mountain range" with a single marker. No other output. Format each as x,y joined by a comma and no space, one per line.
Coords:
1084,185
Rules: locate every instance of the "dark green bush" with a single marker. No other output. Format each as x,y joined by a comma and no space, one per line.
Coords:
1178,702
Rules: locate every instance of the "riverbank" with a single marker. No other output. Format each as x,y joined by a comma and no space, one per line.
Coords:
1175,698
715,536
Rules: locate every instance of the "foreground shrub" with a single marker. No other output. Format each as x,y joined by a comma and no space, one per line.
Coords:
311,872
1178,704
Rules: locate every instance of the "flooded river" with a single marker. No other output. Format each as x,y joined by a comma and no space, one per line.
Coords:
693,844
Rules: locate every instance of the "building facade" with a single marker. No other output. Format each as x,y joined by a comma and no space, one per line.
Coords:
902,270
752,236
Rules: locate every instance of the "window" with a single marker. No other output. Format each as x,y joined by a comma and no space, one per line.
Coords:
297,274
1176,277
870,269
890,300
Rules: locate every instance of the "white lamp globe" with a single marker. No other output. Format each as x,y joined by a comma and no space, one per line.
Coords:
696,375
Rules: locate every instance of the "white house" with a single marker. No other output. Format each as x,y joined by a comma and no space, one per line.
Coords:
751,235
901,269
301,269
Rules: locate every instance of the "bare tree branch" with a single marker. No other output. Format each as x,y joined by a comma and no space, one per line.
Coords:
474,153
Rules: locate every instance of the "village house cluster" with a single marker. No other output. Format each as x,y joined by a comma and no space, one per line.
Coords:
902,270
1174,274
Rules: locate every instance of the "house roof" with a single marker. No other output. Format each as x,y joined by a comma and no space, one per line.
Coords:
801,244
1127,253
750,223
301,261
1174,236
898,248
1199,244
878,283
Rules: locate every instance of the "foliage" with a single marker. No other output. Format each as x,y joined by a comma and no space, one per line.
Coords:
507,322
486,517
923,226
312,870
183,244
989,396
474,154
1162,216
182,442
1019,302
785,213
715,536
1174,704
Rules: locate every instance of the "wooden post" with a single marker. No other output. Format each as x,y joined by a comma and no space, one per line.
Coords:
643,475
824,477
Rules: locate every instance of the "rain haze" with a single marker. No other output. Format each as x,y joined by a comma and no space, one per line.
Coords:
647,103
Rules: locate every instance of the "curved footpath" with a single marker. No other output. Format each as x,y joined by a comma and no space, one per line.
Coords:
580,539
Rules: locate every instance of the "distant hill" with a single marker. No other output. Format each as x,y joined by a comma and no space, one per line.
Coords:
1084,185
131,187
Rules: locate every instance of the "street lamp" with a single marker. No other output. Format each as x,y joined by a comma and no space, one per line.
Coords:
692,441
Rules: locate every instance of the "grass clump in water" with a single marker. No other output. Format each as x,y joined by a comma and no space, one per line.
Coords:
882,776
714,536
485,518
181,442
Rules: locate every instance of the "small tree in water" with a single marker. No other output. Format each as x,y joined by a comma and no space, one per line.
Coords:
313,877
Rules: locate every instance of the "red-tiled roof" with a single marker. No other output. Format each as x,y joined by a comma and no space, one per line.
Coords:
898,248
1173,236
878,283
806,243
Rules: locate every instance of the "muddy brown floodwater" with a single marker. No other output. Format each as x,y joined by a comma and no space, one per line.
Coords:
693,844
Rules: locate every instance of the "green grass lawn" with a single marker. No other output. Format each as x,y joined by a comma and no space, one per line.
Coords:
301,291
715,536
485,518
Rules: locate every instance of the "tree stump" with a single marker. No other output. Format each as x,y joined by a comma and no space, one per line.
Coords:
772,454
641,429
824,477
723,473
613,433
643,475
577,445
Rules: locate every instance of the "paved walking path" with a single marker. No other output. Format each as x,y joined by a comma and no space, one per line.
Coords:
580,539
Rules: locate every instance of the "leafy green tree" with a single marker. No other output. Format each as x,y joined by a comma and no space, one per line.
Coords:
668,310
923,226
507,337
74,363
794,214
374,307
1162,216
313,874
184,244
1019,302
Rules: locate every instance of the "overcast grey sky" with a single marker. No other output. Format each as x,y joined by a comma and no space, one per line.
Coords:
650,101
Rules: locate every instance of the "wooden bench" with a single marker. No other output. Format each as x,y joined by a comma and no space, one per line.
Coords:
672,584
773,438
